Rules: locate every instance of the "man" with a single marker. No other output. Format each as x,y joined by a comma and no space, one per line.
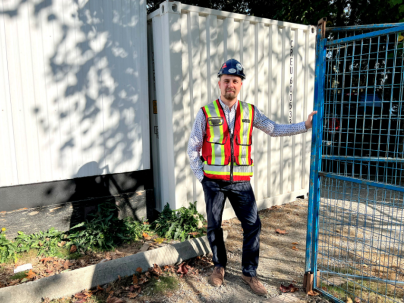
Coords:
223,130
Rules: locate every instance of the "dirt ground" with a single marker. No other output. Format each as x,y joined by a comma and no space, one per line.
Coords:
282,258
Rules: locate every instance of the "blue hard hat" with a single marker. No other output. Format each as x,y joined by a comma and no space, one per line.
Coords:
232,67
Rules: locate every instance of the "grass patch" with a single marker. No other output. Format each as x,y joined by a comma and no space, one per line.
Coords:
372,292
20,275
64,253
162,285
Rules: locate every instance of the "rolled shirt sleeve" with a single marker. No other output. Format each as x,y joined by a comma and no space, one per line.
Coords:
273,129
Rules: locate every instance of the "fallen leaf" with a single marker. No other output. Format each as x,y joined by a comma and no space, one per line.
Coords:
182,269
139,270
57,265
159,240
143,279
44,260
314,293
30,275
194,233
284,288
156,270
60,244
83,295
293,288
13,282
147,274
146,236
73,249
108,289
119,277
295,243
98,289
49,270
279,231
357,300
135,280
108,256
115,300
295,248
348,300
67,264
133,295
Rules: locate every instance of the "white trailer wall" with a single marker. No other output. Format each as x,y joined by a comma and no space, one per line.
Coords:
189,45
73,89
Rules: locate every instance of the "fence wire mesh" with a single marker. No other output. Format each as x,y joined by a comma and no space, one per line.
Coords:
361,236
361,230
363,109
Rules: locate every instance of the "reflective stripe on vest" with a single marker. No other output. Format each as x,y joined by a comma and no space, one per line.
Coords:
243,137
215,133
244,170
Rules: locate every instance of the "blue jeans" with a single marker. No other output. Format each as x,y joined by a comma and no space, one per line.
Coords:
242,199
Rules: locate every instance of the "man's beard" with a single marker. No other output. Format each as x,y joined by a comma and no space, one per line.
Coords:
230,95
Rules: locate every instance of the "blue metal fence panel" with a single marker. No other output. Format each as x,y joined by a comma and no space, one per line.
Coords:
356,203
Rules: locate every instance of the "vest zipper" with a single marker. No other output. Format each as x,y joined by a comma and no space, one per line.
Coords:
231,158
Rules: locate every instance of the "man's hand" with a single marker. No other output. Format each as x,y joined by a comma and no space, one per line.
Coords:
309,121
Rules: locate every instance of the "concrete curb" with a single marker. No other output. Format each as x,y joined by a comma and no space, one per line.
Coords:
72,282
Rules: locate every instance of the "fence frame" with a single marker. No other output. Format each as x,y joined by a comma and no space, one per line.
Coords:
312,237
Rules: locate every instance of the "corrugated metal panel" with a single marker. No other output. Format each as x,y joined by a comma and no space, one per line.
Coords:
190,45
73,85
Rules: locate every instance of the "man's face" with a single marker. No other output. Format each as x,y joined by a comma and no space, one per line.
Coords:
230,86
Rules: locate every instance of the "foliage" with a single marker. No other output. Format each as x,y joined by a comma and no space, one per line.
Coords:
8,249
180,223
104,230
135,229
338,12
45,242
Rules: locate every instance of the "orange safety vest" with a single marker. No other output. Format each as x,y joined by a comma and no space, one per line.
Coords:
228,157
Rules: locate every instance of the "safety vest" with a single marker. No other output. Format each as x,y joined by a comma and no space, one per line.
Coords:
228,156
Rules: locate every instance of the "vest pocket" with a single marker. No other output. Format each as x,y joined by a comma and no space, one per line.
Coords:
216,160
214,141
238,142
242,153
243,161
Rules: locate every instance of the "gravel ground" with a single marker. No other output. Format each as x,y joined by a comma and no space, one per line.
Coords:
282,259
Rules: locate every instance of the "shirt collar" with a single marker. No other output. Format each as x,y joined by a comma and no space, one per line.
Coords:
225,107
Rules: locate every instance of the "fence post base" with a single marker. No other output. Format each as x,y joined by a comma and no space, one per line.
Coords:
308,282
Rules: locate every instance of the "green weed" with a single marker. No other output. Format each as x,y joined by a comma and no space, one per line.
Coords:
102,231
20,275
367,291
162,285
180,223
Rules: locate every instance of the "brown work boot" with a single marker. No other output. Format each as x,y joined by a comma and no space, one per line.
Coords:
256,286
217,276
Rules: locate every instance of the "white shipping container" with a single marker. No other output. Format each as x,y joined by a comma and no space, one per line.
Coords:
73,89
189,46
